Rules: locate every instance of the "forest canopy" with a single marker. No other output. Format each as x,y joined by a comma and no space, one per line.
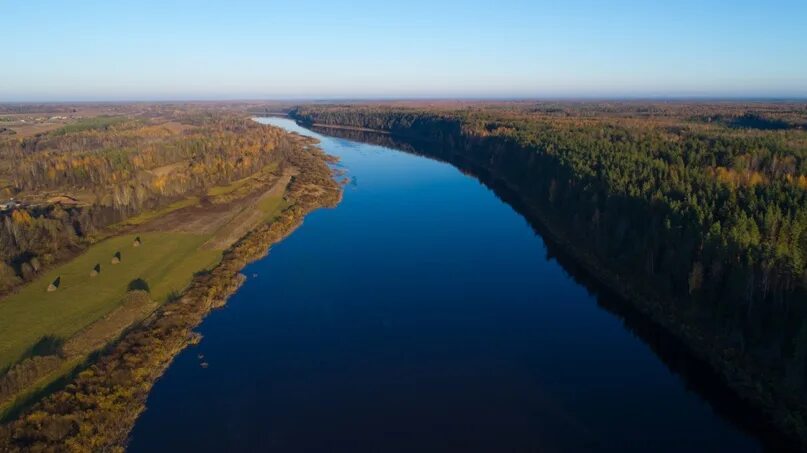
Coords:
720,175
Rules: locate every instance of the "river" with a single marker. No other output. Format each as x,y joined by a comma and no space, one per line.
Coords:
425,313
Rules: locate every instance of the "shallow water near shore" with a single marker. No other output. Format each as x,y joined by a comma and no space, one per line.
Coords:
426,313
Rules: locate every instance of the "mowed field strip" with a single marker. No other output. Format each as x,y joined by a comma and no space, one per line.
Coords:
167,261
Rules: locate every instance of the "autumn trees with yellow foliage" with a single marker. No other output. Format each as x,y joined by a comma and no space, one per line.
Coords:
117,167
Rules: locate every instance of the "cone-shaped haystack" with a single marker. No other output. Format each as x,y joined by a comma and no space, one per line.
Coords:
136,242
55,284
96,270
116,258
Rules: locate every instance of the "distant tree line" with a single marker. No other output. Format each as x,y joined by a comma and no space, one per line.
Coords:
709,213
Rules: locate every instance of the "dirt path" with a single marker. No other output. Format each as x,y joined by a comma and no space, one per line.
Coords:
97,334
248,217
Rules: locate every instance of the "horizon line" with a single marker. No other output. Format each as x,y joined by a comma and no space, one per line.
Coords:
349,99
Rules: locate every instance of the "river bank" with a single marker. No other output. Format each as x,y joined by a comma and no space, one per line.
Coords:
96,411
740,372
73,259
426,313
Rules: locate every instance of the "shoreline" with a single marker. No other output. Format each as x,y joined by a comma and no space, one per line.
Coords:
736,372
661,313
347,128
30,379
97,410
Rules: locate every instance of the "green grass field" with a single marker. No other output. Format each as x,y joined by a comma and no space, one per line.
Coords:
220,191
166,261
271,207
84,124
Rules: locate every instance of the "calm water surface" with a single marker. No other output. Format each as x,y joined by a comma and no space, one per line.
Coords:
423,313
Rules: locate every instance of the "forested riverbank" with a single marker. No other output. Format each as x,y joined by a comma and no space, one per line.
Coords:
701,225
99,404
109,204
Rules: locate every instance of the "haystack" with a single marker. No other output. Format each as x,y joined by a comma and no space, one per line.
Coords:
55,284
136,242
96,270
116,258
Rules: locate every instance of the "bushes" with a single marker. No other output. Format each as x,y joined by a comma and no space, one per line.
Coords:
8,278
47,345
25,373
138,284
44,357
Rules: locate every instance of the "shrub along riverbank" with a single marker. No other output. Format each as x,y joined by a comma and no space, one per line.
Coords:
96,411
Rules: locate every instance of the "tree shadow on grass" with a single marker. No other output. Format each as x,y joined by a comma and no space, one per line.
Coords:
138,284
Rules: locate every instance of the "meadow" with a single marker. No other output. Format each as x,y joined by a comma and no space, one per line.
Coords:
166,261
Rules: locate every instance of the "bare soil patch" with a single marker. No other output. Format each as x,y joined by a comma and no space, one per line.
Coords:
228,221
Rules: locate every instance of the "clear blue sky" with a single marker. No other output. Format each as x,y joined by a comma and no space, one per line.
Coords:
120,50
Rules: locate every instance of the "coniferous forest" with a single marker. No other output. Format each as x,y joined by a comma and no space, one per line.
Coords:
696,212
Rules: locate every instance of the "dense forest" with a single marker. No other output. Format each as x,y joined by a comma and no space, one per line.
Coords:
697,212
73,182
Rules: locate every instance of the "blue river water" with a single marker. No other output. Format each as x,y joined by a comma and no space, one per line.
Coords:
422,313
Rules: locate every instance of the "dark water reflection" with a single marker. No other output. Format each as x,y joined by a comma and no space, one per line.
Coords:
425,313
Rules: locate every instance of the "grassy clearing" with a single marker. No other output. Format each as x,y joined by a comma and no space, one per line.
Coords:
271,207
99,122
232,187
235,186
167,261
